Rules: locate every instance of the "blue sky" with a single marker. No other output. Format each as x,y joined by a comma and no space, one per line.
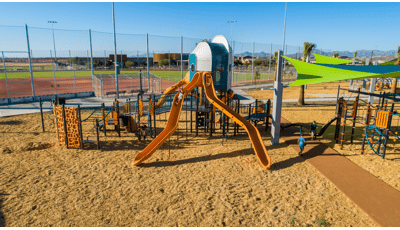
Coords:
335,26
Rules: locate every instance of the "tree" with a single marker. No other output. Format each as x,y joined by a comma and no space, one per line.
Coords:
308,47
204,40
238,62
129,64
335,55
257,77
355,54
163,62
257,62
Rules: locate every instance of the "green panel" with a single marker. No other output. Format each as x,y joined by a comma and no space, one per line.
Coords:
320,59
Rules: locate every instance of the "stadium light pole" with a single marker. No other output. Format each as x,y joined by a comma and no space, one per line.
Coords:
54,40
115,55
232,30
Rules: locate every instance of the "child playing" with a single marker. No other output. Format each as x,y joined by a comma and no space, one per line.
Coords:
302,142
314,130
179,97
142,131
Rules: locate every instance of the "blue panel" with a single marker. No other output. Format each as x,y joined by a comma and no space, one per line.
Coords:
378,69
220,61
192,69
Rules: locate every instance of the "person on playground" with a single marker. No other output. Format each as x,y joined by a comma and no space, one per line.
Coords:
180,96
142,131
302,142
314,130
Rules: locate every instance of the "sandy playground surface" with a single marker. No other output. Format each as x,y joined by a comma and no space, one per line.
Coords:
203,182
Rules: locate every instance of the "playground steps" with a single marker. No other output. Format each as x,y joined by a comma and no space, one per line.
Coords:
377,199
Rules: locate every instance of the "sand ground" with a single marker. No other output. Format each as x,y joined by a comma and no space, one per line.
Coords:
200,181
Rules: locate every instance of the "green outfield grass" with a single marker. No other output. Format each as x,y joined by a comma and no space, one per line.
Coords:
171,75
174,76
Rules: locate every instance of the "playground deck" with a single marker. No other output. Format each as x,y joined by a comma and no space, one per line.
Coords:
379,200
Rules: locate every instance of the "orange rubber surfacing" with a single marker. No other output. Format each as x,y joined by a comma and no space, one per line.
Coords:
204,79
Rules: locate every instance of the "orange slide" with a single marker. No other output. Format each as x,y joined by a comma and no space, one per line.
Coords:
255,137
173,120
172,89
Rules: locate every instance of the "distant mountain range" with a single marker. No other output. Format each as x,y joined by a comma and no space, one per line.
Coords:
360,53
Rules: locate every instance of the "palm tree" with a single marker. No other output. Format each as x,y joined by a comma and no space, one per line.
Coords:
355,54
335,55
394,80
308,47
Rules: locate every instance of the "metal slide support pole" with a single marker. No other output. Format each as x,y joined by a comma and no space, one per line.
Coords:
115,54
65,126
41,112
343,125
154,115
97,135
354,118
103,110
148,73
30,61
277,102
91,56
181,57
5,75
365,125
267,115
389,124
54,72
80,125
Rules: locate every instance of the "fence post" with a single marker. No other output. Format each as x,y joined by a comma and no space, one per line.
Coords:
233,58
115,54
269,68
5,75
181,57
73,69
54,72
105,60
148,73
252,64
91,56
30,62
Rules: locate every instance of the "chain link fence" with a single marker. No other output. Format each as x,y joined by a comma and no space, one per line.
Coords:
63,62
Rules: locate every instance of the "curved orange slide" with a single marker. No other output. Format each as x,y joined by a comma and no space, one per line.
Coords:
198,81
172,122
172,89
255,137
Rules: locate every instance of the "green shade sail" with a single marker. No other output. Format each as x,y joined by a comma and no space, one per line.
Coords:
309,73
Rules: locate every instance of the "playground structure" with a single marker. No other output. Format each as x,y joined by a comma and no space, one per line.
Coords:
210,70
380,128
